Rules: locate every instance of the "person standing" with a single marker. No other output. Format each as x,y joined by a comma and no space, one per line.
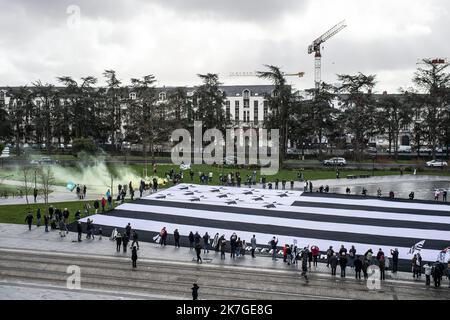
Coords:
223,247
427,270
357,263
310,186
365,265
128,230
382,266
38,217
233,245
103,204
216,243
134,257
176,238
79,230
253,244
198,251
51,210
125,241
96,206
444,196
330,253
195,292
206,242
333,263
163,236
35,194
118,241
351,256
343,263
29,220
315,253
305,257
394,254
273,245
135,238
436,272
46,220
84,191
191,240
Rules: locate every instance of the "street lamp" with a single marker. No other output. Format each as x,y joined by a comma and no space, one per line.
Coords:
373,162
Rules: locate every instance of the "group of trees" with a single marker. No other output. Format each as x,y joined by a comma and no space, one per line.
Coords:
363,114
80,109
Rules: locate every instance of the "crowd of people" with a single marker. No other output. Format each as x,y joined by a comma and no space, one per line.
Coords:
308,256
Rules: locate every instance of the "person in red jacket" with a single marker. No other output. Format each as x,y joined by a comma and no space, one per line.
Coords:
285,252
315,254
103,204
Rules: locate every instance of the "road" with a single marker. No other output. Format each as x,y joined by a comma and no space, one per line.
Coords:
34,258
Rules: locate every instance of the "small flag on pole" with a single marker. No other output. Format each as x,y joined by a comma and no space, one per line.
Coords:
417,247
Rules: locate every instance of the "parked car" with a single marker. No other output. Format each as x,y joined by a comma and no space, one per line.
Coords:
425,149
404,149
44,160
436,163
335,162
293,151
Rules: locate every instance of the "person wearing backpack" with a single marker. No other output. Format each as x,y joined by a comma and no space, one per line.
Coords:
330,253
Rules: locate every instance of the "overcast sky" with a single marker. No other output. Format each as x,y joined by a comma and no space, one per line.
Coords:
177,39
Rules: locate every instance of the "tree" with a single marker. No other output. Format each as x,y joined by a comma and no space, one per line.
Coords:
359,108
320,113
44,96
432,79
145,116
280,104
209,101
26,175
395,114
5,123
20,114
113,105
46,178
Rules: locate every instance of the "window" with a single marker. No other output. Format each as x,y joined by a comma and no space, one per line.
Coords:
246,103
133,95
2,95
236,110
246,94
227,109
255,111
162,96
266,108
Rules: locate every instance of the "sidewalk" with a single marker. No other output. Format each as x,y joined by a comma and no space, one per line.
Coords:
18,237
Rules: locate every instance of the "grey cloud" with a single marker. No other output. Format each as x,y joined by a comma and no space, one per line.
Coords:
242,10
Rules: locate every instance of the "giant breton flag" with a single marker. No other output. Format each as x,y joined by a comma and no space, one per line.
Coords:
292,216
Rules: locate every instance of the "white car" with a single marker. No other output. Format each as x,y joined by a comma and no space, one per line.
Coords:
436,163
335,161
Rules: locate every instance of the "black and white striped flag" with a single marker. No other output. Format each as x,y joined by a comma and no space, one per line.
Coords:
291,216
417,247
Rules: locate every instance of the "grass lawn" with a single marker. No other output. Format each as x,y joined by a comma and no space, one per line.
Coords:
16,213
10,190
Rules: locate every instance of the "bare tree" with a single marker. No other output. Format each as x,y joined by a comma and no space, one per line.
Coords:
46,178
26,174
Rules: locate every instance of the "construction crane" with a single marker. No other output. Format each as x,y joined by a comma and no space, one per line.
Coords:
315,47
255,74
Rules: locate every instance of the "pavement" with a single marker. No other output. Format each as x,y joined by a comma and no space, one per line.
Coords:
17,237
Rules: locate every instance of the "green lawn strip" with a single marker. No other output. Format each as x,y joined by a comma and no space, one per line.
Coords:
16,213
